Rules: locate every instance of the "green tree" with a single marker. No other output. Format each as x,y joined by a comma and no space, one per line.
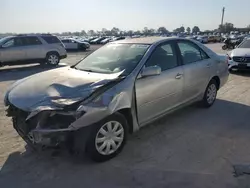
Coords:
188,29
162,30
195,29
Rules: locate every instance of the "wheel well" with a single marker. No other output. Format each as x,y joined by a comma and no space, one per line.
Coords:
127,114
217,79
52,52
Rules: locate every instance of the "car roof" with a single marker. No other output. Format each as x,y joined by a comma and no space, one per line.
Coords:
145,40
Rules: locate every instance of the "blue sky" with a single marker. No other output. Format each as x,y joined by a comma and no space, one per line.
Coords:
75,15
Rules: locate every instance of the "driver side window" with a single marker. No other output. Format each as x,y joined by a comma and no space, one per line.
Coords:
163,56
9,43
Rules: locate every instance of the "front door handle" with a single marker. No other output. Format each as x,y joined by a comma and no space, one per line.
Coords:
208,65
178,76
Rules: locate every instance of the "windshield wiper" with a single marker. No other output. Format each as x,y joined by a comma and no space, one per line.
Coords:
87,70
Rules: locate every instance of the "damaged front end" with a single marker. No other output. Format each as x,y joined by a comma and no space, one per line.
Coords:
47,128
55,122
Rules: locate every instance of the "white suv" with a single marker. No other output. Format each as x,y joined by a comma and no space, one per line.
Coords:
22,49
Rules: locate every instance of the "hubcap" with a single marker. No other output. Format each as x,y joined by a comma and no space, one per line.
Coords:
109,138
53,59
211,93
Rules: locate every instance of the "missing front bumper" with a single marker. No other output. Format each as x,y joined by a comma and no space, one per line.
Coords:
49,137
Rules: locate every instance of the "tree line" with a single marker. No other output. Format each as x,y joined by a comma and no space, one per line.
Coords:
225,28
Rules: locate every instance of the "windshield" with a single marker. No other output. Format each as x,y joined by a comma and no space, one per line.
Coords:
245,44
114,58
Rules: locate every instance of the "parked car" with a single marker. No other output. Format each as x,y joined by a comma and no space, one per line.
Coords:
239,58
202,39
73,44
114,91
211,39
106,40
117,38
42,48
97,40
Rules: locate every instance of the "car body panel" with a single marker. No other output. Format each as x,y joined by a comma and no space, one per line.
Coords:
157,94
12,54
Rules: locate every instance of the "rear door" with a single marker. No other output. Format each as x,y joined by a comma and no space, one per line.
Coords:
73,45
12,50
33,47
196,67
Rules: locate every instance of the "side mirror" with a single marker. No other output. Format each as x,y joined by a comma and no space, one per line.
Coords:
151,71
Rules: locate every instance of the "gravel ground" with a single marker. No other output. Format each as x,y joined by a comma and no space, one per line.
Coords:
191,148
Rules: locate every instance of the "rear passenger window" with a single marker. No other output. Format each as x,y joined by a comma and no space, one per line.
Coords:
31,41
164,56
51,39
190,52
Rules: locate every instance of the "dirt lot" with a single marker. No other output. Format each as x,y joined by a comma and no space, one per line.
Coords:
191,148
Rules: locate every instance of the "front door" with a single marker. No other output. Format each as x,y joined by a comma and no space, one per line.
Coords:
196,67
12,50
157,94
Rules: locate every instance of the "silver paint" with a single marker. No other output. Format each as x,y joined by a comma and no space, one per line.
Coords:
148,98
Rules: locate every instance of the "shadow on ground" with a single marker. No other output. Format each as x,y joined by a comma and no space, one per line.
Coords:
16,73
241,73
191,148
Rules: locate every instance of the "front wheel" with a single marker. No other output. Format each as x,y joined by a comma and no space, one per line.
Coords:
107,138
210,94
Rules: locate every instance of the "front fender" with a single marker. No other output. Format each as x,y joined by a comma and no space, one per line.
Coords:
100,108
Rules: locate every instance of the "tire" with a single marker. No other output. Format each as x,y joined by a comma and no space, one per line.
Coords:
210,94
52,58
224,47
98,143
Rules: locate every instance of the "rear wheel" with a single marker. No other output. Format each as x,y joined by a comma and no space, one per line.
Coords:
52,58
107,138
210,94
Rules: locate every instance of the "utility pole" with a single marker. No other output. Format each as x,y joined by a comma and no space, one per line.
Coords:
222,16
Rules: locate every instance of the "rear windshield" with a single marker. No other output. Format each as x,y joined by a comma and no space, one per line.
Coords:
51,39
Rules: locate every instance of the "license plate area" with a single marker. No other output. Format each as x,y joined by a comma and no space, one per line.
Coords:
242,65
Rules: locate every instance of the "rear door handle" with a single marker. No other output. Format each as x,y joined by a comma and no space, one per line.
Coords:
178,76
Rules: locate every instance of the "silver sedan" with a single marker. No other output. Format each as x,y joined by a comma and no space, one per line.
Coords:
116,90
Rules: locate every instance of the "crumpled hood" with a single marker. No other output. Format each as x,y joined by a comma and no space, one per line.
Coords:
60,86
242,52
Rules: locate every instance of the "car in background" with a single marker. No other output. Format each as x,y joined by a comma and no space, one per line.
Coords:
211,38
117,38
94,104
97,40
239,58
74,44
105,41
202,39
39,48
